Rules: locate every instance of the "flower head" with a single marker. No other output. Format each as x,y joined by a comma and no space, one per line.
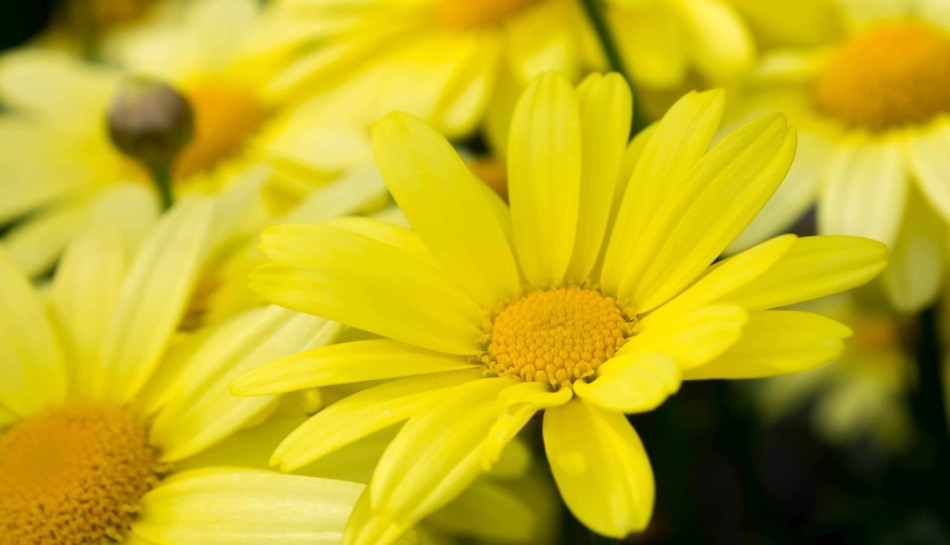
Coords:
594,295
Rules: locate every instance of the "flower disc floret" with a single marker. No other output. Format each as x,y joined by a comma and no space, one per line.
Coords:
555,336
74,474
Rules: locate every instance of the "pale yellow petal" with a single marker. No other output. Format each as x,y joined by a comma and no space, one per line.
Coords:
721,195
37,243
435,456
349,194
916,262
202,412
464,99
516,406
85,290
777,342
364,413
231,506
814,267
632,384
600,467
488,512
368,284
346,362
538,40
722,47
672,149
929,156
32,369
606,107
865,192
53,82
652,42
132,207
723,278
544,177
153,297
446,207
692,338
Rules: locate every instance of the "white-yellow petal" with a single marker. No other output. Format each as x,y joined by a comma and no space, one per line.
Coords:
32,370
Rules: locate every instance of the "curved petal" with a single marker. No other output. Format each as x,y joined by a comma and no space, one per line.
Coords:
435,456
368,284
675,144
37,243
516,406
865,192
544,177
929,156
600,467
606,106
721,195
723,278
722,46
652,43
231,506
633,384
693,338
916,262
153,297
814,267
539,40
364,413
777,342
85,291
32,370
202,412
446,207
356,361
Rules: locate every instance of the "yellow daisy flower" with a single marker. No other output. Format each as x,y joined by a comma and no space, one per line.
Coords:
457,63
100,400
865,394
873,113
594,295
63,172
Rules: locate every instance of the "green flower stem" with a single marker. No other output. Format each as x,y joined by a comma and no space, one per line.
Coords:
162,178
595,13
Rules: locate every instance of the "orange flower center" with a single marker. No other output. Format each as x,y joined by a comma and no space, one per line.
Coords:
555,336
226,118
893,75
74,474
476,13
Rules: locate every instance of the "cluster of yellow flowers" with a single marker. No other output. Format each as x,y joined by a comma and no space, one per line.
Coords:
310,271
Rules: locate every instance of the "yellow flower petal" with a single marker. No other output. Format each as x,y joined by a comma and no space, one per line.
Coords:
723,278
368,284
917,260
230,506
32,370
813,268
35,244
865,192
489,513
632,384
356,361
516,406
52,82
465,98
718,198
929,158
539,40
721,45
85,291
605,106
693,338
544,177
446,207
155,292
674,146
793,198
435,456
350,193
202,412
777,342
600,468
652,41
364,413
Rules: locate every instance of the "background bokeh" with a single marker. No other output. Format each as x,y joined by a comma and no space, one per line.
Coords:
724,475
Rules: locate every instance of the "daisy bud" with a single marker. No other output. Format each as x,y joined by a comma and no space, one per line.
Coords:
151,122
